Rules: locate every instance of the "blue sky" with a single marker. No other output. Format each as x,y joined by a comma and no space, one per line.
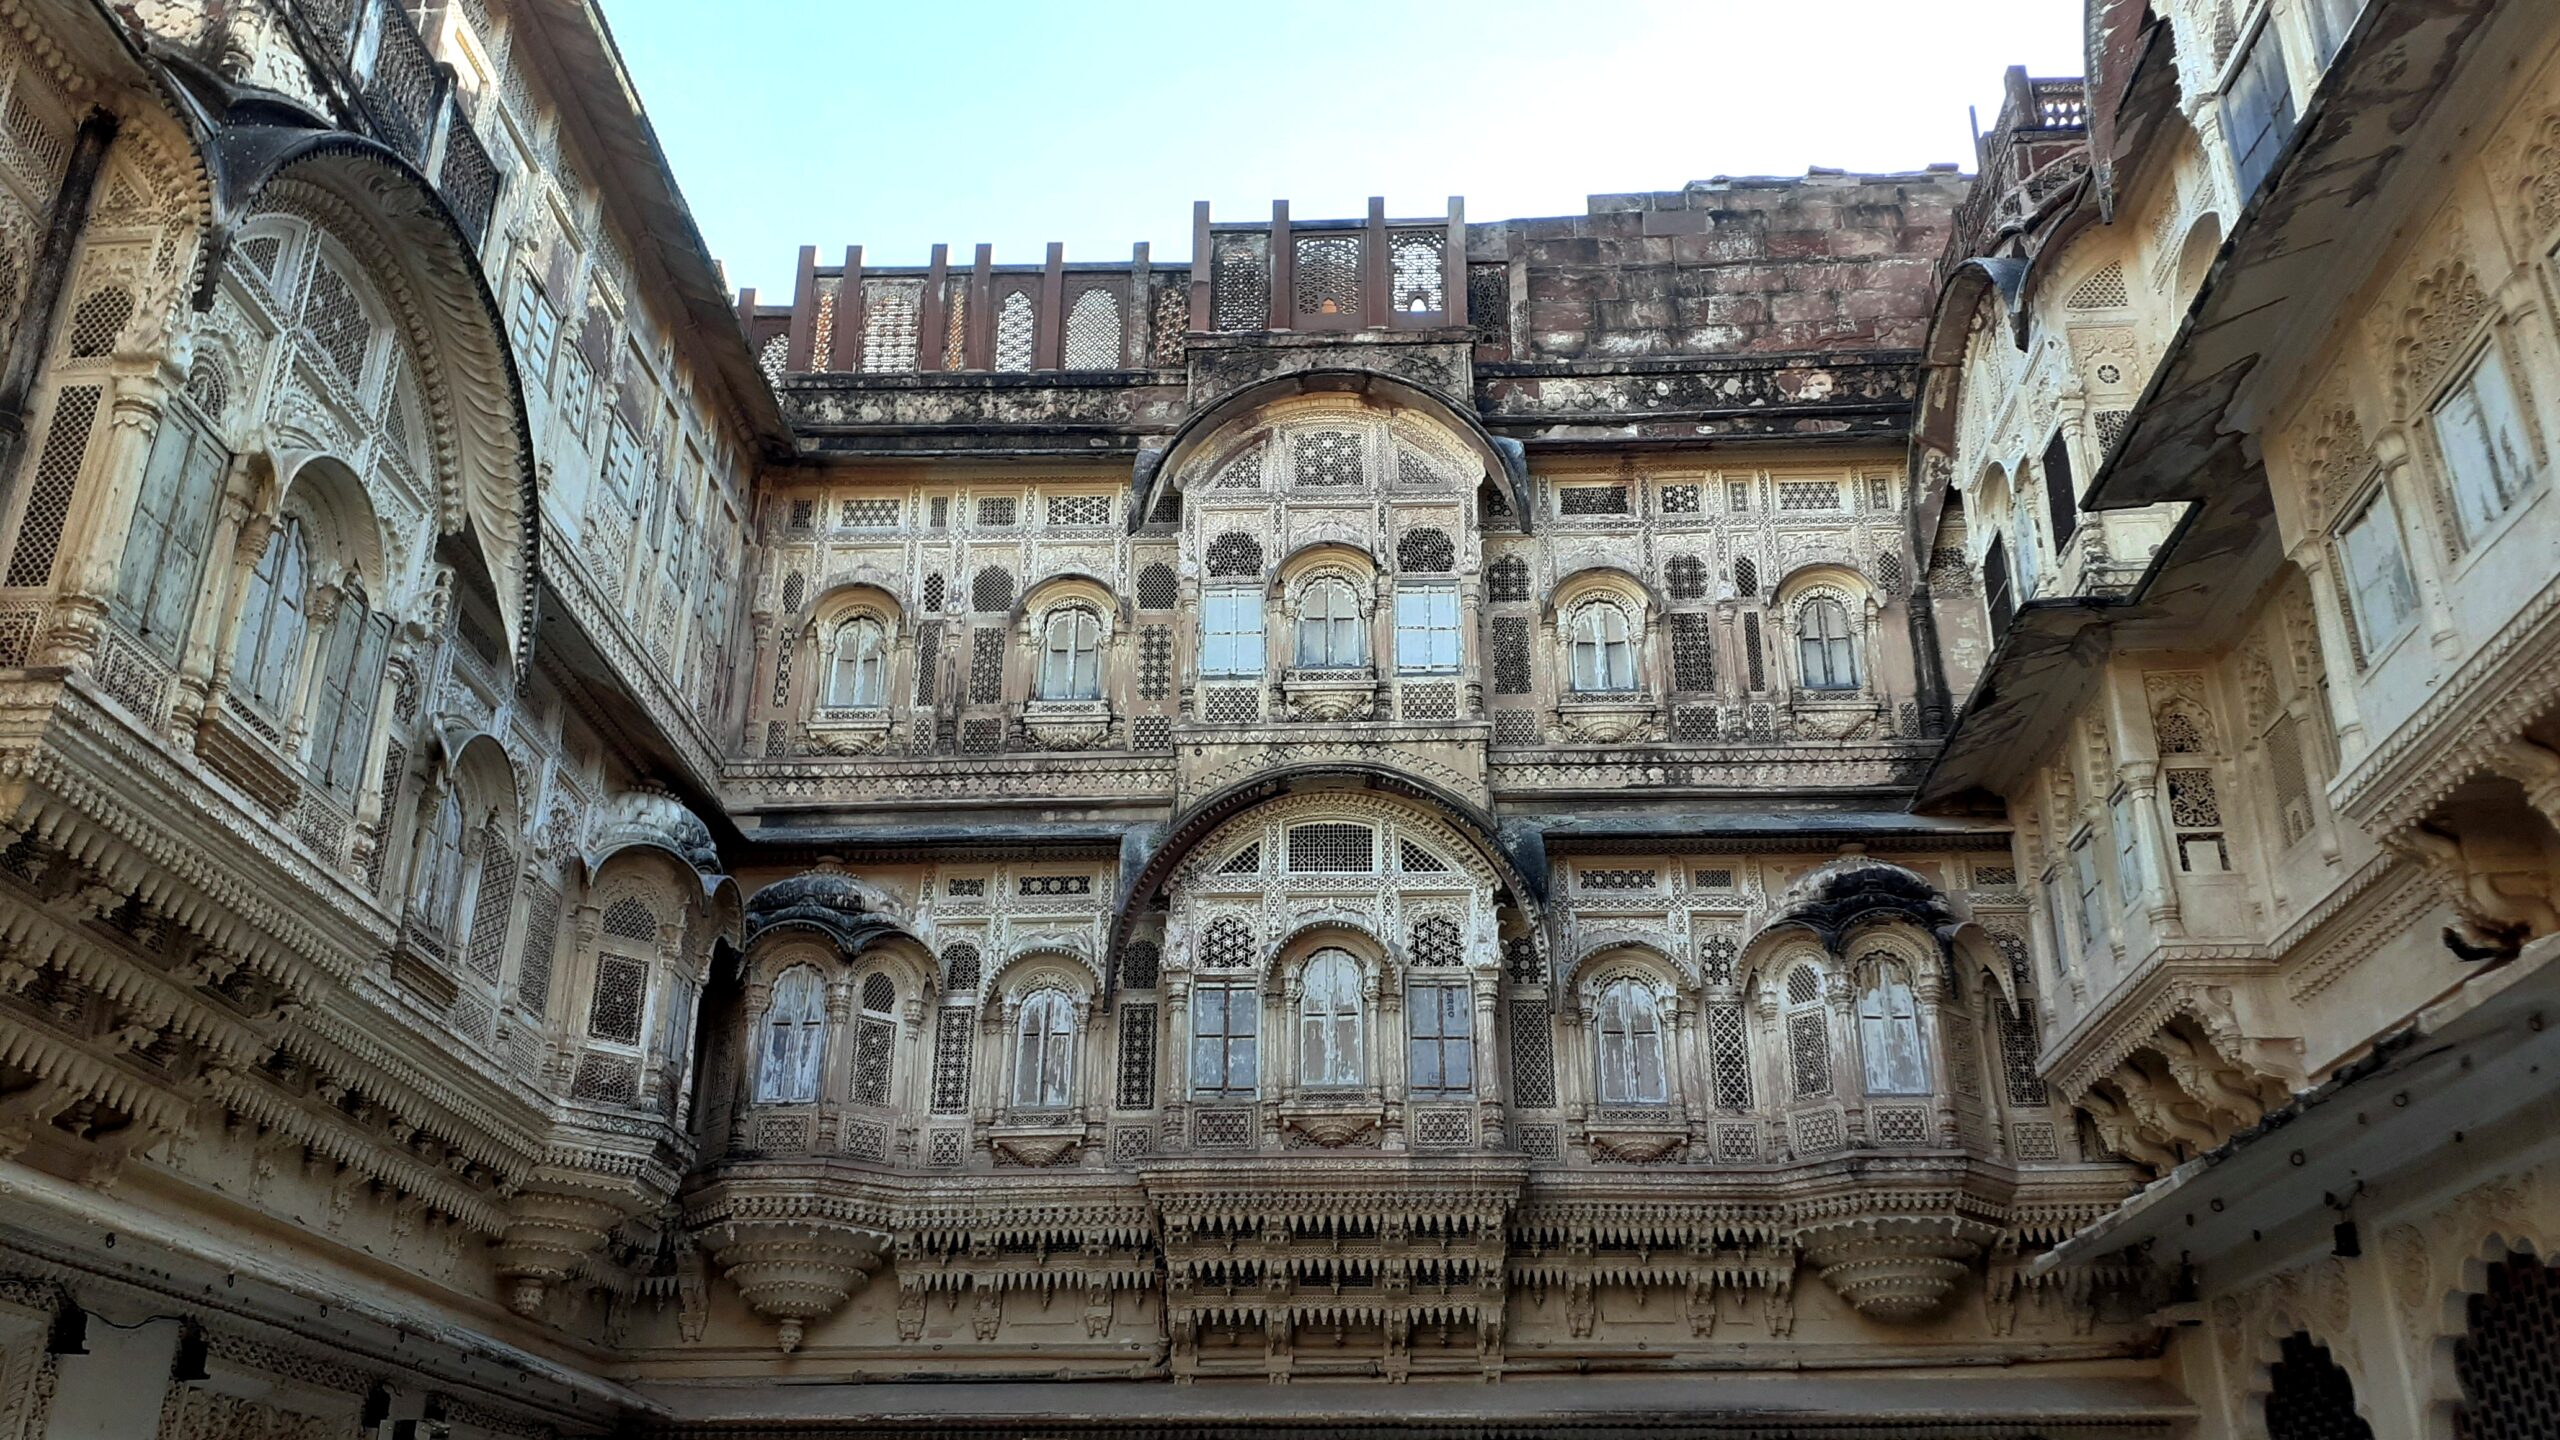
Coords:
894,125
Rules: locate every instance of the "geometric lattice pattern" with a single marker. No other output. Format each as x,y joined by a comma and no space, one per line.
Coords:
1436,942
1332,847
1014,330
1898,1125
629,918
951,1060
1326,275
1327,458
2018,1054
986,666
1593,500
1809,1053
1511,654
991,590
614,1011
1240,290
1506,581
1533,1054
1227,944
1234,554
1414,260
875,1047
1093,332
1729,1057
2510,1387
491,909
57,472
1693,665
1137,1056
1685,577
97,321
337,322
1426,550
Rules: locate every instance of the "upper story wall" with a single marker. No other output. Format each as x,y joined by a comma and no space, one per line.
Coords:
1779,308
1739,266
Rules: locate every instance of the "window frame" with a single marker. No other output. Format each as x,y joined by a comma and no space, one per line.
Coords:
801,1066
2473,534
1082,665
1631,1042
1338,1031
1877,1017
1234,652
1340,619
2090,889
1051,1049
1838,652
173,516
2254,74
289,546
2377,503
1610,654
1428,628
1449,1035
1231,1043
856,629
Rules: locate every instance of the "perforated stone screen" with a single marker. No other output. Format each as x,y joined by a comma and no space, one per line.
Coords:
1332,846
2510,1387
613,1013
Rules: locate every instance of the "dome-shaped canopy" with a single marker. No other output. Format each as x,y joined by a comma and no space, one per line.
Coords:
847,911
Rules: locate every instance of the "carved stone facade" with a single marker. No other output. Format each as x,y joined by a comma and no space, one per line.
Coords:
1743,804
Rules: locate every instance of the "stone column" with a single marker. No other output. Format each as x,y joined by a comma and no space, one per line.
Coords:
1492,1125
1388,1060
1685,1079
2154,841
248,545
2336,645
1175,1065
209,636
1929,1002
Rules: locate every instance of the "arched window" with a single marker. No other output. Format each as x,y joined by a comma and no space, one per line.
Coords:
438,886
1329,631
1604,652
875,1040
1630,1045
164,546
266,656
1889,1034
858,675
1825,654
1808,1033
1044,1039
1329,1023
795,1039
350,685
1071,657
2311,1396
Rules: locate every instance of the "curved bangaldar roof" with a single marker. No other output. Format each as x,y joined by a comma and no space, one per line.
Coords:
1505,461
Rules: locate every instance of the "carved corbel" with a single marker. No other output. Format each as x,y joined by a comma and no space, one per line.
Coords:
556,1228
797,1270
2492,920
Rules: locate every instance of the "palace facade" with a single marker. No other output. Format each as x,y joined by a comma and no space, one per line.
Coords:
1919,804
